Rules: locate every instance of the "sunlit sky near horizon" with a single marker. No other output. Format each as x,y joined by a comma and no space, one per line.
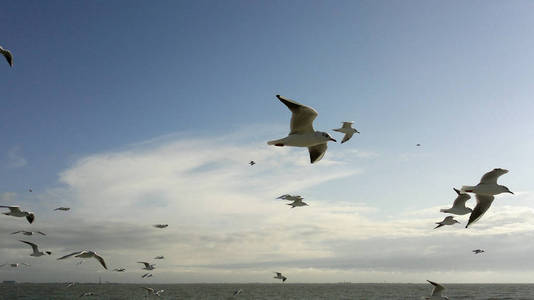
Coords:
134,113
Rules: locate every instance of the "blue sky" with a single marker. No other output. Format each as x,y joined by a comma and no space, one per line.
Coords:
96,81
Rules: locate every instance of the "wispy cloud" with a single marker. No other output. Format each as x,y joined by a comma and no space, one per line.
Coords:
14,158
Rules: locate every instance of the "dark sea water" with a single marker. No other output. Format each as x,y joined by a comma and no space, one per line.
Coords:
267,291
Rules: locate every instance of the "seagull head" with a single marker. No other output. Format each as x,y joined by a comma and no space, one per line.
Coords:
327,137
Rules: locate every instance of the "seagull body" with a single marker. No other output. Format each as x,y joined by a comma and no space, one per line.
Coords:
28,232
280,276
449,220
301,132
15,211
161,225
35,249
252,163
485,192
63,208
159,257
148,267
8,56
87,254
290,197
347,130
69,284
119,270
458,207
15,265
146,275
297,203
436,292
478,251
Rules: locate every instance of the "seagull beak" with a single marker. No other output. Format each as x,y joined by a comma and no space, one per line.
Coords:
333,140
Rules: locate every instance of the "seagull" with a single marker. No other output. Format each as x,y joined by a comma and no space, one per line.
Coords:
478,251
159,257
297,203
146,275
485,192
148,267
347,130
63,208
284,196
119,270
87,254
251,163
161,225
237,292
7,54
69,284
290,197
153,291
15,265
35,249
301,132
418,145
87,294
15,211
28,232
280,276
436,292
449,220
458,207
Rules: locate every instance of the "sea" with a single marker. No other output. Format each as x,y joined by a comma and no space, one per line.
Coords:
379,291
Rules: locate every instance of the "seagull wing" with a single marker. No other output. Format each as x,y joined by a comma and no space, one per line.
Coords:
483,204
317,152
69,255
34,246
492,176
7,54
438,288
461,199
13,209
347,137
151,290
347,124
101,260
302,116
41,233
147,265
17,232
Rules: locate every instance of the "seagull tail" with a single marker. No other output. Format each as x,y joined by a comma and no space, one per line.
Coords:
439,225
444,210
278,142
467,188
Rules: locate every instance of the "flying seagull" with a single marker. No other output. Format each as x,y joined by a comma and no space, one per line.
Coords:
449,220
15,211
251,163
436,292
35,249
28,232
63,208
87,294
478,251
290,197
161,225
347,130
153,291
458,207
297,203
148,267
8,56
485,192
280,276
119,270
69,284
87,254
159,257
146,275
301,132
237,292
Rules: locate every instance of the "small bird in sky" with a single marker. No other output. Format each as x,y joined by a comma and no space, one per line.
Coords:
7,55
86,254
449,220
280,276
161,225
15,211
478,251
35,248
251,163
347,129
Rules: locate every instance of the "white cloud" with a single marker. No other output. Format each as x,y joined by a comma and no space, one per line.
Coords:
14,158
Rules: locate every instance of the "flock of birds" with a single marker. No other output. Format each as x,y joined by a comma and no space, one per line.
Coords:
301,134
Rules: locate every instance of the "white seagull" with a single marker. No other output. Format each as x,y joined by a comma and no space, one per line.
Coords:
153,291
35,249
15,265
8,56
297,203
458,207
148,267
15,211
449,220
347,130
159,257
301,132
69,284
161,225
280,276
28,232
63,208
478,251
290,197
119,270
485,192
436,292
87,254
